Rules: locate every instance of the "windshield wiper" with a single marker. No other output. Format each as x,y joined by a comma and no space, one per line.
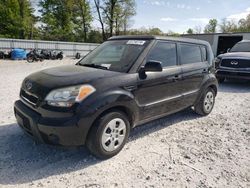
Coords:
94,66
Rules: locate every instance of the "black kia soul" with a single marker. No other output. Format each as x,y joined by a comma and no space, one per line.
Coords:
125,82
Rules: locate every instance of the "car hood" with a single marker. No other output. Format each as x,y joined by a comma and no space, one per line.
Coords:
245,55
63,76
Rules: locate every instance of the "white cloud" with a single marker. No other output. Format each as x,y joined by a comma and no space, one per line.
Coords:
198,8
168,19
157,3
183,6
202,20
239,16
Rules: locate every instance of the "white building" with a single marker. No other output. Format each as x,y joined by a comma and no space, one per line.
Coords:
220,42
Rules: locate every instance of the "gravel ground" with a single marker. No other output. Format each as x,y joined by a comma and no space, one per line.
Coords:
181,150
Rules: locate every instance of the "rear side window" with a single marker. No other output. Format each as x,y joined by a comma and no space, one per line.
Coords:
190,53
164,52
204,53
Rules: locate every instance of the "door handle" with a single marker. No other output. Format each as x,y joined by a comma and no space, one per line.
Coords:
175,78
204,71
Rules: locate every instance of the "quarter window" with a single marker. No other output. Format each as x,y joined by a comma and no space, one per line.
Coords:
204,53
190,54
164,52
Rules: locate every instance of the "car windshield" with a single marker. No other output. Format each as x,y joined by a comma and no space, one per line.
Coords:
115,55
241,47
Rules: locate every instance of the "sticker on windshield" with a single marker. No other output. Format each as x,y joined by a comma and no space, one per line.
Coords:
106,65
136,42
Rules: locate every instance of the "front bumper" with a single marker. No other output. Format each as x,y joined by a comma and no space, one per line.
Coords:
58,131
237,74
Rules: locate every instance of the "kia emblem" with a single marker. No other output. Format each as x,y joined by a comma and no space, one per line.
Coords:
28,84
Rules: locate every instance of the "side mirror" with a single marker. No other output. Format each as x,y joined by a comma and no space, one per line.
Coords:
228,50
153,66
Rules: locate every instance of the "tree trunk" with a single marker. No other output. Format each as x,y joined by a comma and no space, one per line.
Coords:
97,5
21,8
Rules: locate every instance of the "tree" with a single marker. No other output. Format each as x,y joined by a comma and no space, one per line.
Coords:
17,19
114,15
190,31
82,19
228,26
124,11
99,8
145,31
56,16
211,26
197,29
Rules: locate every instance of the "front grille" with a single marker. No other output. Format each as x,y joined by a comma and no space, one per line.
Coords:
30,98
235,63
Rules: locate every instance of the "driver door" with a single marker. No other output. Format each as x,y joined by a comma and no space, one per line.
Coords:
161,92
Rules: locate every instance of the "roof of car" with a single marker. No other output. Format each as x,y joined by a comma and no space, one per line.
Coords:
152,37
244,41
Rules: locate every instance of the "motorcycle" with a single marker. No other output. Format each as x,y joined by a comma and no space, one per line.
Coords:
34,55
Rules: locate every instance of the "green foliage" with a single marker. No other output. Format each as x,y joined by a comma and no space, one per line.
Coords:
231,26
72,20
190,31
145,31
56,18
82,19
17,20
211,26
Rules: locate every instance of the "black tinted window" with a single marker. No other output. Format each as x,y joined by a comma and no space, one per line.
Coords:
190,54
241,47
204,53
164,52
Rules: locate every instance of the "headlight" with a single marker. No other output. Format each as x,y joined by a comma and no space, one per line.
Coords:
66,97
217,62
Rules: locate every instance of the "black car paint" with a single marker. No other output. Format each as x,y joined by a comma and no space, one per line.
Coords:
224,68
142,99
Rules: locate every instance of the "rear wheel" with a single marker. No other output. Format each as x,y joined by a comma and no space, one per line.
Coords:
108,135
206,103
30,59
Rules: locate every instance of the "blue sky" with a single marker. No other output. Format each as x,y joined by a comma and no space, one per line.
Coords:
179,15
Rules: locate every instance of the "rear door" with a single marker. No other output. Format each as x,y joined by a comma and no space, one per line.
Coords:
194,65
160,92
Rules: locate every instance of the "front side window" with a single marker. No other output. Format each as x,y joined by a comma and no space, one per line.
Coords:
115,55
241,47
165,52
190,54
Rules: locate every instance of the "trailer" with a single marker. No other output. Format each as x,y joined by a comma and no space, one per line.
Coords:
220,42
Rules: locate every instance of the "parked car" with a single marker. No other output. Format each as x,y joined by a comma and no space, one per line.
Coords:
125,82
235,63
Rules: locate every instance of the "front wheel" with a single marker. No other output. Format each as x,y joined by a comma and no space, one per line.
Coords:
30,59
206,103
108,135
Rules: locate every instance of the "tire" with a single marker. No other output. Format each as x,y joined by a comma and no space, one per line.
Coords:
103,139
30,59
221,79
206,103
